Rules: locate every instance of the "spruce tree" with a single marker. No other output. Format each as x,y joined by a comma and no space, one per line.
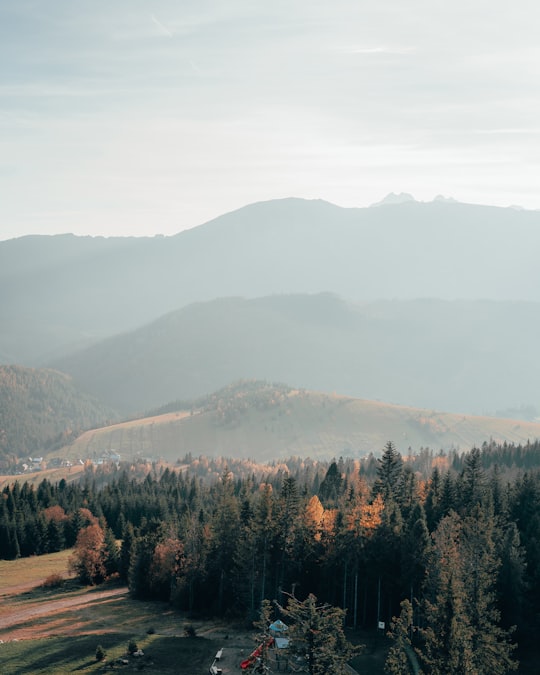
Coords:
462,632
447,634
402,659
316,635
492,650
389,470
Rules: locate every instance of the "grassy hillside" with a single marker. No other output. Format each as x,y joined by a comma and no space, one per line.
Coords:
41,410
269,422
475,357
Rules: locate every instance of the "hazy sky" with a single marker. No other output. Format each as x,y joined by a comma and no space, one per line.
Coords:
144,117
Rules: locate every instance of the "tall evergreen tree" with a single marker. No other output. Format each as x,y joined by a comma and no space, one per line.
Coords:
389,471
316,635
492,650
447,633
330,489
401,658
512,583
462,632
473,480
223,547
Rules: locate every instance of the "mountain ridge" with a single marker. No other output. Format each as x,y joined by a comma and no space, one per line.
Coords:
59,293
456,356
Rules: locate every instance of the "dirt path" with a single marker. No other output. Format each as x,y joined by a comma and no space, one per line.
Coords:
14,617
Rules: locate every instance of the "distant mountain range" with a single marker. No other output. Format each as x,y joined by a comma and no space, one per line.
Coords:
60,293
429,305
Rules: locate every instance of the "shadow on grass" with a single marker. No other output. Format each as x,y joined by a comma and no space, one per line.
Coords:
164,655
89,615
68,589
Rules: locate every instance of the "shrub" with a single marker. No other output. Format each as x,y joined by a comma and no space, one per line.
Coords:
189,630
132,647
53,581
100,653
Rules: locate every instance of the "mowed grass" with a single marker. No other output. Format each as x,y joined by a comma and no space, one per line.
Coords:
33,570
75,620
162,654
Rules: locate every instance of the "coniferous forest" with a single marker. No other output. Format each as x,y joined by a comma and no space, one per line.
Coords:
444,549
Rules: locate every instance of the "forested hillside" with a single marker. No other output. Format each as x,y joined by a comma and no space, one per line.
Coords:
450,356
456,530
41,410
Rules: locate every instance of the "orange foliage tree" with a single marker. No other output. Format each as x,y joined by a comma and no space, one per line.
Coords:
89,555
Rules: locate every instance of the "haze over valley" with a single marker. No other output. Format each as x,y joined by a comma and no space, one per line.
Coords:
405,303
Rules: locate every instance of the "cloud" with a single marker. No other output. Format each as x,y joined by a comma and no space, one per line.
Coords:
162,28
381,49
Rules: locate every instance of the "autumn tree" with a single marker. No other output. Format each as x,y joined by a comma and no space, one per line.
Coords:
89,556
164,567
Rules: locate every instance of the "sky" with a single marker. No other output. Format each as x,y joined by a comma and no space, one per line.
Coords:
139,117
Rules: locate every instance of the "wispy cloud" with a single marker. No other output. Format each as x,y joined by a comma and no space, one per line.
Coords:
380,49
162,28
521,131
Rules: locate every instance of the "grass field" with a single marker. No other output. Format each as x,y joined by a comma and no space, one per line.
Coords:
31,571
162,654
54,631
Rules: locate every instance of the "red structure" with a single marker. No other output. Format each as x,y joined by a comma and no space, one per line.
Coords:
255,654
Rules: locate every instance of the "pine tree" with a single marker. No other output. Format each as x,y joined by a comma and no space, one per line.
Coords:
415,545
223,548
288,510
402,659
447,635
492,650
262,637
55,536
473,480
124,558
331,487
316,635
512,574
389,470
111,552
433,497
462,632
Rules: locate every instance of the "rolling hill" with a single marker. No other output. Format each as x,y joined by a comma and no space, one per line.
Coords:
467,357
270,422
60,293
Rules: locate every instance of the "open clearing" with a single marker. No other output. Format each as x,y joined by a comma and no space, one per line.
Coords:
53,631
